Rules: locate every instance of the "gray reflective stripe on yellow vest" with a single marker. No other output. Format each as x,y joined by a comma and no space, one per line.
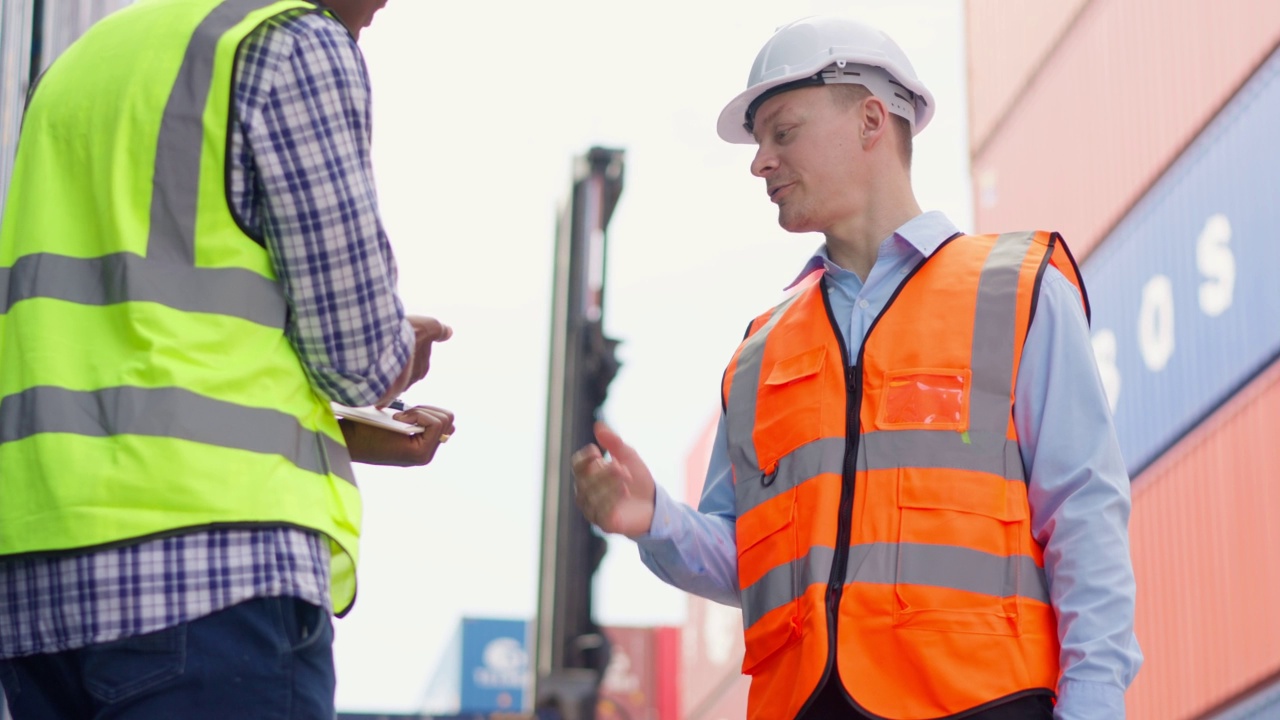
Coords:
176,185
174,413
167,276
173,281
125,277
944,566
741,406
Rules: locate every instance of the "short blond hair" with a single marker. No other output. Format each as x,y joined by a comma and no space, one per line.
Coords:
847,95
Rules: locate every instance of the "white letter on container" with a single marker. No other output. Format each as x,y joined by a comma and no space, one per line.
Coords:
1155,323
1217,265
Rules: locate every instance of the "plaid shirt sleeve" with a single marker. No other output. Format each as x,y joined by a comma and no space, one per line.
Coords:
301,152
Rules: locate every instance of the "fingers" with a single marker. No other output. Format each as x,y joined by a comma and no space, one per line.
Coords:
426,330
612,443
437,426
429,329
597,489
435,422
583,461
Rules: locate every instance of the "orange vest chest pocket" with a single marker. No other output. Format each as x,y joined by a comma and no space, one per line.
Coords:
793,405
962,561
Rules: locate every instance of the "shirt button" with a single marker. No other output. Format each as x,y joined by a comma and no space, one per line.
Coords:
863,304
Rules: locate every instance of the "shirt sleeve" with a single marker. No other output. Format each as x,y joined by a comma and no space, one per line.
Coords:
309,142
695,550
1079,496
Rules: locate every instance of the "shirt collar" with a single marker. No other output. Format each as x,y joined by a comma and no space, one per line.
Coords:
924,232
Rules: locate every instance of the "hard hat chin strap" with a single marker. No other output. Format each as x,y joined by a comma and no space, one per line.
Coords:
892,93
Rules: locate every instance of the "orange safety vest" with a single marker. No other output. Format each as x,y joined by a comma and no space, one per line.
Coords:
901,553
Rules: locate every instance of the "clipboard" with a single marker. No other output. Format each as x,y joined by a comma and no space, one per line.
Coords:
371,415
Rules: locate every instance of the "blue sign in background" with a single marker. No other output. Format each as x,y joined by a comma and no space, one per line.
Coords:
495,665
1186,289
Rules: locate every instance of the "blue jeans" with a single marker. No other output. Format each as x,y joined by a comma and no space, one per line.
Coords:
264,659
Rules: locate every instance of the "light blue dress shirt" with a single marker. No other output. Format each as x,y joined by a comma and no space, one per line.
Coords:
1078,486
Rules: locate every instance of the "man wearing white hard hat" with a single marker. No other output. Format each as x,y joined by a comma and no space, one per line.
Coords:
915,492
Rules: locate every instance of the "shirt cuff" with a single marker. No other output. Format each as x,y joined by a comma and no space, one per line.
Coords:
662,527
397,356
1084,700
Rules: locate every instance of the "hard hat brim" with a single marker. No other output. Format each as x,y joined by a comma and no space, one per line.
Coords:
731,125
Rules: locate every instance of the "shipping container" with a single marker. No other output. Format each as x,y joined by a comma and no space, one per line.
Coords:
484,668
712,650
1186,303
712,660
67,20
1008,42
1262,705
728,703
639,681
1117,99
16,18
1205,536
29,42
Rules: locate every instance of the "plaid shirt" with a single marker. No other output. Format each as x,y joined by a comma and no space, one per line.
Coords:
300,176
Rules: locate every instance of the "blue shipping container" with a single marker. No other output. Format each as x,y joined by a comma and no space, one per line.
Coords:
1186,289
495,665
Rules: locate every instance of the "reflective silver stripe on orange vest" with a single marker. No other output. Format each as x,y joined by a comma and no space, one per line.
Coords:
125,277
995,318
807,461
944,566
174,413
741,405
984,447
884,450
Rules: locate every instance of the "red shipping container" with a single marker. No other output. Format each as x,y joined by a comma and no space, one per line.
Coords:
712,649
1128,86
1008,42
1205,534
640,683
712,658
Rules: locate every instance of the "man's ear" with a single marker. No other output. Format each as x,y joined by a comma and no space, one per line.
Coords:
875,121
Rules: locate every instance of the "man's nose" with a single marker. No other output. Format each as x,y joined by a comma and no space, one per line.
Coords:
764,162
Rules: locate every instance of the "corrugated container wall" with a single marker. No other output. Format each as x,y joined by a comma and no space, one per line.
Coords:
1015,38
1186,304
637,685
1205,535
1120,93
711,657
1144,130
66,20
23,46
15,70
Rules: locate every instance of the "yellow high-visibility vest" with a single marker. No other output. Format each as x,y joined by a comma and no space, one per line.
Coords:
147,386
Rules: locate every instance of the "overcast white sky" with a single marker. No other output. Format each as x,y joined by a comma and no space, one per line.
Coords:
479,110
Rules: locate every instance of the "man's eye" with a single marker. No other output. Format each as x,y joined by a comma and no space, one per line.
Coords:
781,135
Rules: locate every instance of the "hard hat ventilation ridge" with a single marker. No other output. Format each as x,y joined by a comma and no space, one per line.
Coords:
897,97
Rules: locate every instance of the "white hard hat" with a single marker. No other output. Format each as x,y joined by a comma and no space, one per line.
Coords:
821,50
